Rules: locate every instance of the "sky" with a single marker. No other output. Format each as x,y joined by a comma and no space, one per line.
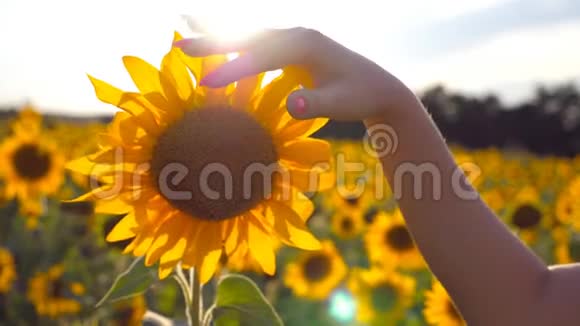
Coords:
475,46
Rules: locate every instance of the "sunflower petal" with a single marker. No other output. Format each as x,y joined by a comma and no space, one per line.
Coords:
209,265
231,237
271,96
211,251
151,83
307,180
246,89
103,192
80,165
123,230
112,206
302,205
132,103
305,153
165,270
291,227
174,70
163,237
300,129
261,247
177,247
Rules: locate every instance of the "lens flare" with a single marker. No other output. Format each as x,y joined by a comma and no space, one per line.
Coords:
342,306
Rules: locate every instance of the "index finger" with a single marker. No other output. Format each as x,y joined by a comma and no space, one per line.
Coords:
268,50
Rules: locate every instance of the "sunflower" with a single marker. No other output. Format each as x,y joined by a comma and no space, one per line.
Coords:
566,246
52,295
128,312
382,297
315,274
7,270
526,215
568,205
31,165
207,142
347,223
389,243
439,308
349,197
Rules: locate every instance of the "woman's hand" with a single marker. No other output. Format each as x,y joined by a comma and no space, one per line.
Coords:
493,277
348,86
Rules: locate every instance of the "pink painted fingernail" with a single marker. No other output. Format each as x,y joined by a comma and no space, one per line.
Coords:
182,43
209,80
300,105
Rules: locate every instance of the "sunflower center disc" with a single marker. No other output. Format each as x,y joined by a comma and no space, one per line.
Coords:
347,224
30,162
123,316
57,289
316,267
214,163
399,238
370,215
526,217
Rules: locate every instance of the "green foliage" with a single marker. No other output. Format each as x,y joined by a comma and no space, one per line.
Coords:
135,280
239,302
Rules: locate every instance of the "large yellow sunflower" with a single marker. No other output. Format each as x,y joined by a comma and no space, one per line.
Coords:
52,295
439,308
177,161
7,270
382,297
389,243
30,164
315,274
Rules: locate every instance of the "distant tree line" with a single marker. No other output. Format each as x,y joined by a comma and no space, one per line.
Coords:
547,124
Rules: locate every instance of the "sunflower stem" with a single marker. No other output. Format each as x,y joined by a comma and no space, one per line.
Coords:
196,303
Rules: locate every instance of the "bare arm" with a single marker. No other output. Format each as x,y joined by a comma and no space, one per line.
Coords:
492,276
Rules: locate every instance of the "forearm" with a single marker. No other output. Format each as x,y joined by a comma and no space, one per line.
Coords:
485,268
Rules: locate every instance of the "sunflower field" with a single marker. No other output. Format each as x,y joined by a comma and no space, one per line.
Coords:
90,236
55,265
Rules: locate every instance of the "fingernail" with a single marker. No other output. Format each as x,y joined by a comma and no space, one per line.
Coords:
300,105
182,43
210,80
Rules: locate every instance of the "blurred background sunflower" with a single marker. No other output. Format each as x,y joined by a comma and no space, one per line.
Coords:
31,165
52,295
315,274
440,309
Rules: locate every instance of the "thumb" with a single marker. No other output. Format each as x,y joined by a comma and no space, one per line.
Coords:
328,101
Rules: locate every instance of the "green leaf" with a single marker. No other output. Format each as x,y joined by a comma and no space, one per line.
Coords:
133,281
239,302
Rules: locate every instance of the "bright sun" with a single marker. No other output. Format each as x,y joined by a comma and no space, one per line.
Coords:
225,28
